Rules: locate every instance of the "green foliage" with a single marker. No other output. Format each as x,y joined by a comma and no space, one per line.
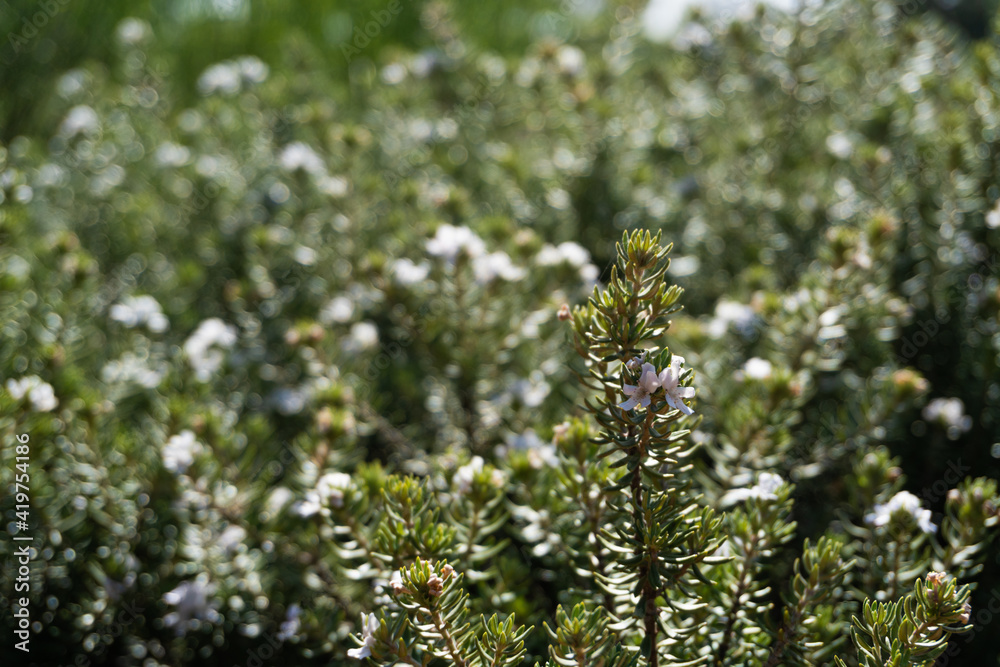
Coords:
289,334
915,629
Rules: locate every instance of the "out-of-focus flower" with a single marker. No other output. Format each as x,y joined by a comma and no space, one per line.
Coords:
839,145
329,492
730,313
540,453
169,154
191,601
364,336
406,272
136,311
132,31
332,486
40,394
81,119
766,488
906,503
531,391
204,349
450,241
497,265
756,368
340,309
179,451
465,475
570,60
571,253
993,216
298,155
231,538
131,369
369,624
950,413
229,76
290,627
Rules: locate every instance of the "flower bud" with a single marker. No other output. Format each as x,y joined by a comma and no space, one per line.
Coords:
435,585
564,313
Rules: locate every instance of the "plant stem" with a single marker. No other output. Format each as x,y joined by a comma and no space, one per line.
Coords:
734,609
648,592
442,627
789,628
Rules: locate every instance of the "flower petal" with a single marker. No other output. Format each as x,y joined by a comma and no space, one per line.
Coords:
685,392
359,653
629,389
676,403
629,404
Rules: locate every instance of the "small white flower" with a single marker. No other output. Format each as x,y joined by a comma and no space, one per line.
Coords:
904,502
497,265
132,31
204,348
142,310
290,628
766,488
169,154
179,452
950,413
570,60
231,538
540,453
252,69
839,145
369,625
465,475
364,335
640,394
756,368
450,241
222,78
131,369
191,599
406,272
312,505
288,400
298,155
730,313
531,391
332,485
993,216
340,309
81,119
39,393
573,254
329,492
670,379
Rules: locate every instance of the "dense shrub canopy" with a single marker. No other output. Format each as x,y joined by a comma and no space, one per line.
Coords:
301,329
